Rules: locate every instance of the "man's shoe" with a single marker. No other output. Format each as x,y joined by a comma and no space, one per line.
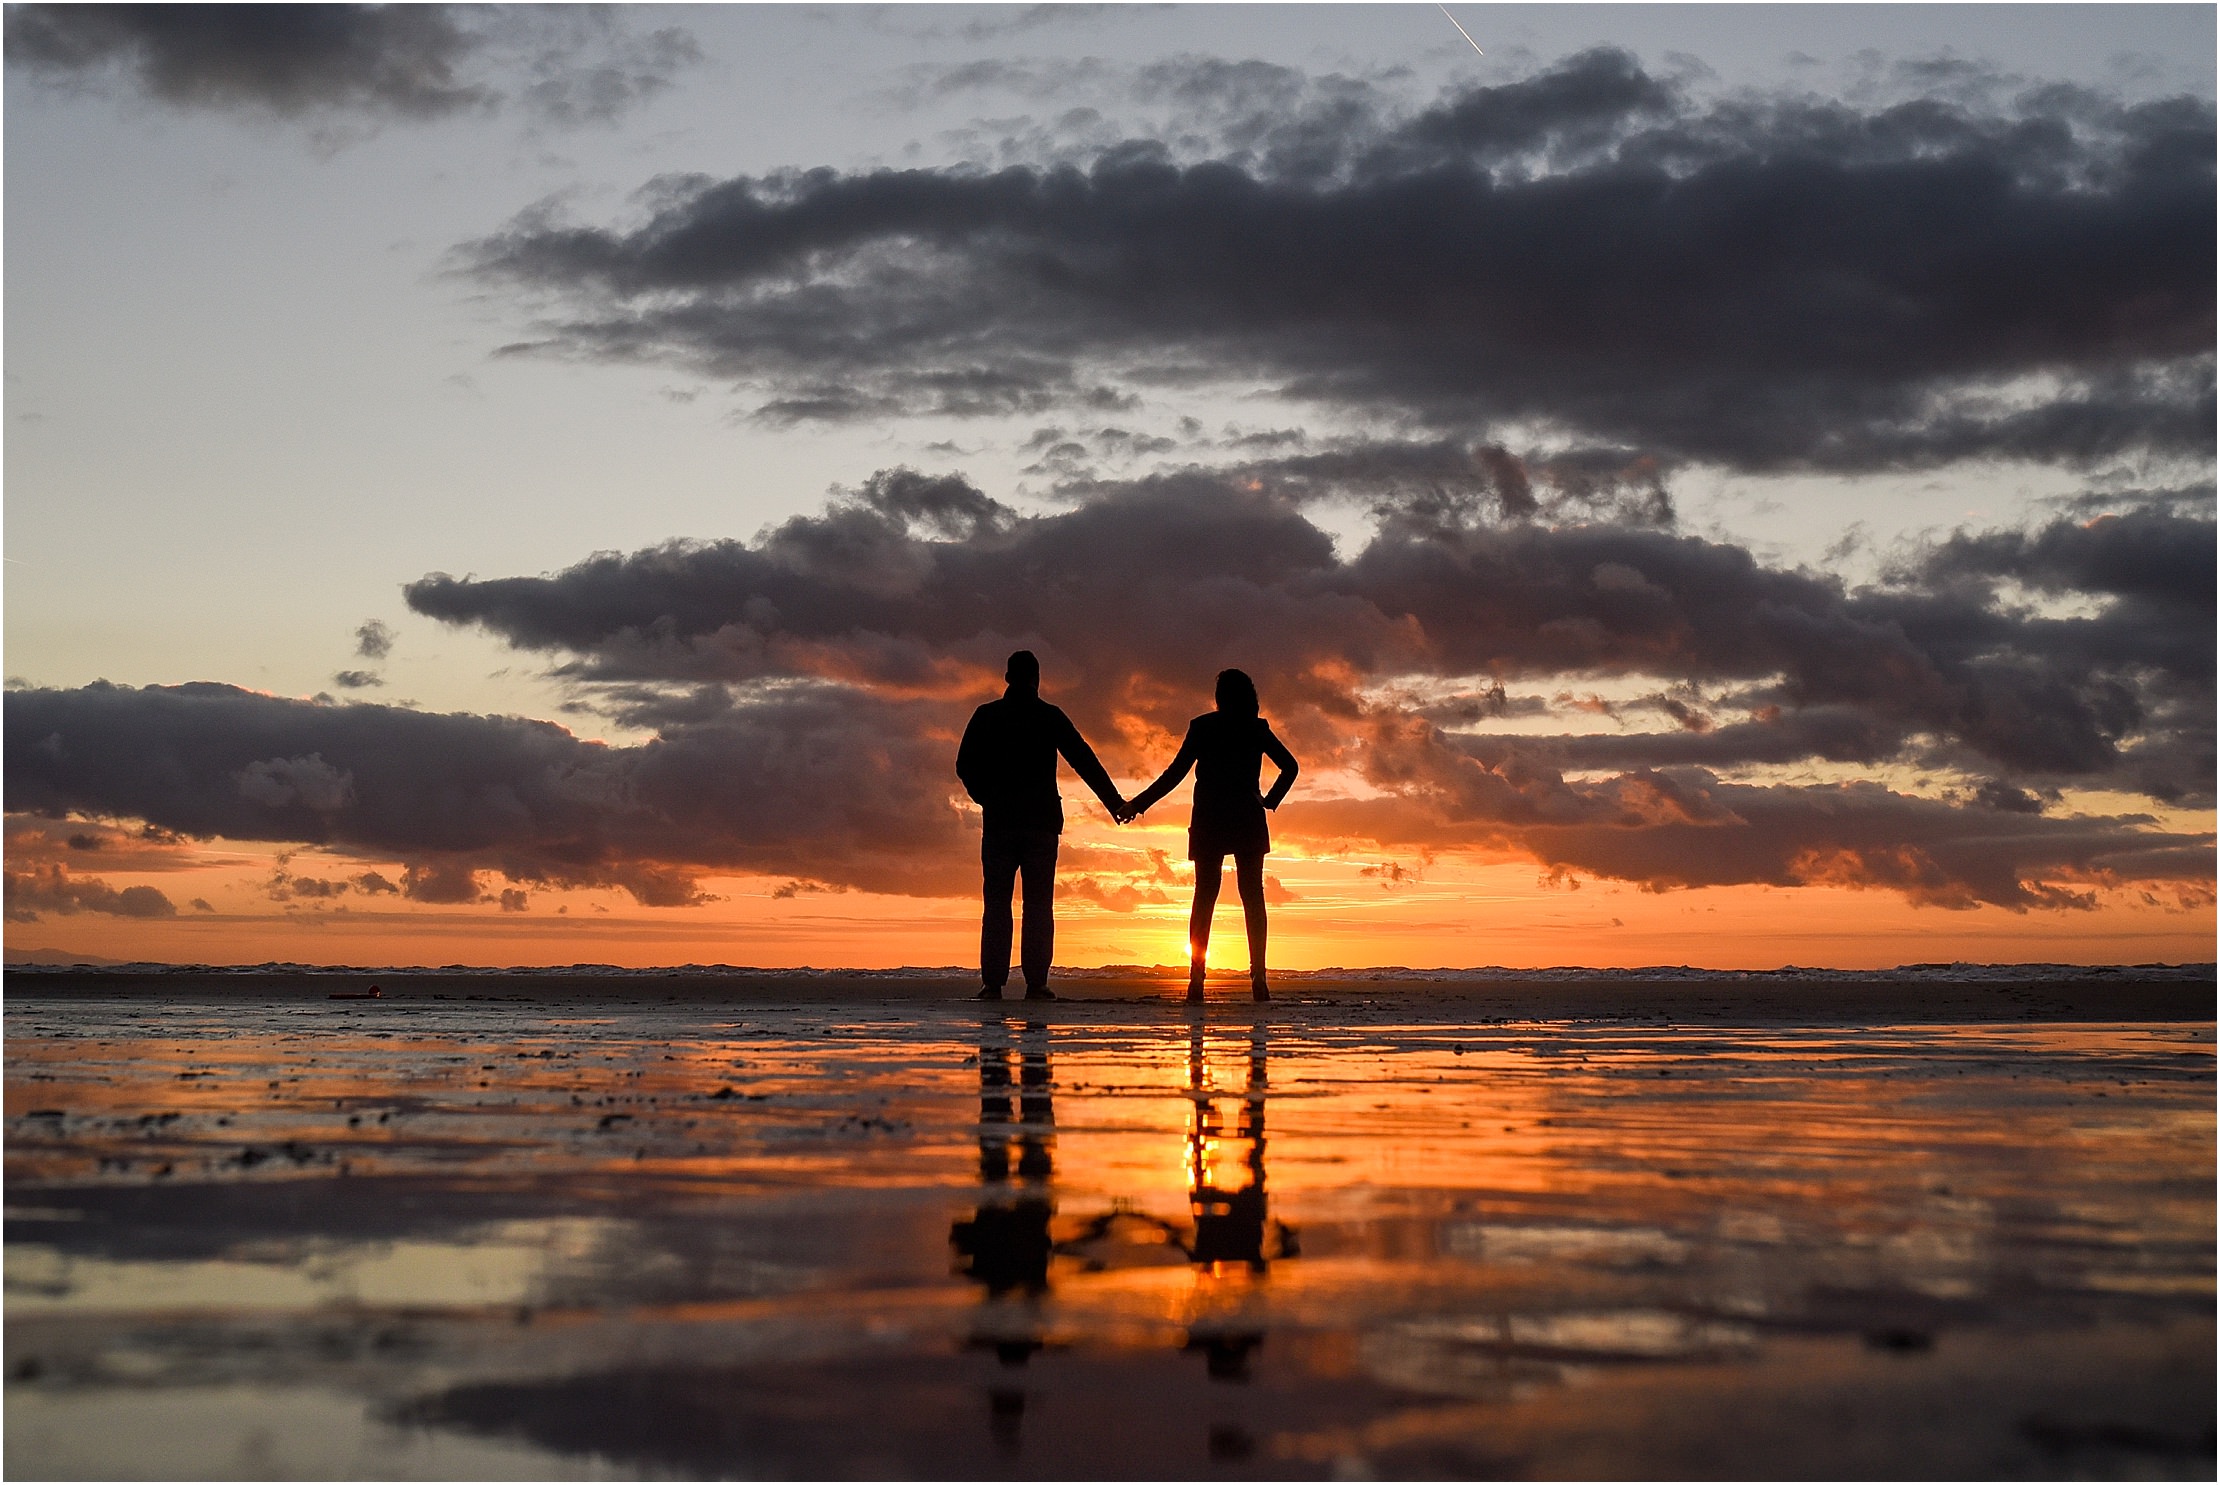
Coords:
1257,992
991,992
1040,993
1195,986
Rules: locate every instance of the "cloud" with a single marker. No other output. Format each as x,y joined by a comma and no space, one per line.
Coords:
562,66
947,505
309,782
2140,556
583,66
357,680
1764,283
1140,594
1137,596
1450,482
34,839
403,61
1110,893
814,783
999,21
374,640
1688,827
284,886
41,890
445,881
804,691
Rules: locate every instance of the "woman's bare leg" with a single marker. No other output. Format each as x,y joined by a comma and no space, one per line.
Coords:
1248,875
1208,873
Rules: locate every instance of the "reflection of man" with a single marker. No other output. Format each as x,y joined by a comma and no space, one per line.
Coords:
1005,1243
1008,766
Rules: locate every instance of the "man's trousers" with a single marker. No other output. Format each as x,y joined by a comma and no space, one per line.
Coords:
1006,857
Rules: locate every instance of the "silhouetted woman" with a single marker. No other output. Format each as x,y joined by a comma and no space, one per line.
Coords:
1226,749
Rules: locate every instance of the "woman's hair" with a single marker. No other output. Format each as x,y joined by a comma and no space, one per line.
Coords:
1237,693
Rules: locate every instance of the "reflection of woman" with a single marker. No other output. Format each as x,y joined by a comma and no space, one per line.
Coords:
1226,749
1229,1224
1234,1239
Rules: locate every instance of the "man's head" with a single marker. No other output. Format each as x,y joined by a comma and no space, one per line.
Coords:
1023,673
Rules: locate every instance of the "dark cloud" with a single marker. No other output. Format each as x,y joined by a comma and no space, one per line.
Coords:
1448,482
374,640
2146,557
1273,120
37,891
947,505
1585,107
2001,796
283,886
1825,733
1137,596
2189,500
813,782
443,881
562,65
1687,828
804,691
1764,283
1162,581
356,680
400,60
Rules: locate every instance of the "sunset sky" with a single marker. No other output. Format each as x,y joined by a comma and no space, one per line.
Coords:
1728,486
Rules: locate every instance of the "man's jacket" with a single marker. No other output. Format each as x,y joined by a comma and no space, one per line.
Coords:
1008,763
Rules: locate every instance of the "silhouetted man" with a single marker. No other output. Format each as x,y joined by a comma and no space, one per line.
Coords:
1008,766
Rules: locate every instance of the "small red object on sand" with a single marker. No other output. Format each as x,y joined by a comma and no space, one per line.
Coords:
373,993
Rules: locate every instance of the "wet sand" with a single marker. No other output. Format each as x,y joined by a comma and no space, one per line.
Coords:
1940,993
1932,1225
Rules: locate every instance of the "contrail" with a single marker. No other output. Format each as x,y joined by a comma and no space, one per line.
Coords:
1461,31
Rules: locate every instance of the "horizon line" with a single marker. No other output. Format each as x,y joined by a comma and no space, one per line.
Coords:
1079,972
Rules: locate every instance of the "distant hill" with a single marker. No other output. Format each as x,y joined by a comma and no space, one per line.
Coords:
56,956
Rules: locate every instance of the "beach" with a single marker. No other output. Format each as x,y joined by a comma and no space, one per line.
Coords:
1947,1221
1671,550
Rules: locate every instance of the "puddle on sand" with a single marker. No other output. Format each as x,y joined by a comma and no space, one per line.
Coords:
424,1241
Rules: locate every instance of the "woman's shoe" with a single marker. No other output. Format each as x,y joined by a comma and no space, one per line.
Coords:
1257,992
